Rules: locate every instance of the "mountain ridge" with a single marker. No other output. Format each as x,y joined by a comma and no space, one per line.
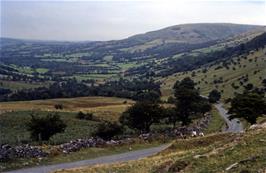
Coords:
135,35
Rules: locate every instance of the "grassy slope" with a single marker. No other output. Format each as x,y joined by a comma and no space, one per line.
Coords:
216,124
229,76
105,107
212,153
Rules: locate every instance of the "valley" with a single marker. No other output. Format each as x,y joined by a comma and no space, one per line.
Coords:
70,104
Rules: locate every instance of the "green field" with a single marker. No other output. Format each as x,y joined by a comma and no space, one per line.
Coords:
18,85
14,130
15,115
253,65
97,77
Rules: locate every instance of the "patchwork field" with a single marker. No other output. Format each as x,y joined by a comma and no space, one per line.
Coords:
251,67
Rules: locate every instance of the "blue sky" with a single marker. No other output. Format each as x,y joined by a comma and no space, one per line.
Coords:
113,19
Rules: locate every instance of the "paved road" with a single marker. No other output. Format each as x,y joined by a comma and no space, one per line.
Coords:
133,155
233,125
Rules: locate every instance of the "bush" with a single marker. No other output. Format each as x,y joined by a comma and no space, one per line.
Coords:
214,96
249,105
42,128
83,116
141,115
108,130
161,128
171,99
58,106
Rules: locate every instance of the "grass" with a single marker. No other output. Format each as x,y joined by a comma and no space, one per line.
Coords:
14,129
255,69
83,154
108,108
18,85
209,154
217,123
93,76
16,114
42,70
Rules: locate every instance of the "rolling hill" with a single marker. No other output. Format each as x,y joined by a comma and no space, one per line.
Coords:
157,54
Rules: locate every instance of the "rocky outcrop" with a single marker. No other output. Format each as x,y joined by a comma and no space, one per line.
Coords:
8,152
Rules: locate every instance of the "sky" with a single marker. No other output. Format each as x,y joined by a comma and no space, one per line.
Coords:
86,20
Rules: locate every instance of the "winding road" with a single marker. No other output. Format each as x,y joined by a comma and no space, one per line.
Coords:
232,126
133,155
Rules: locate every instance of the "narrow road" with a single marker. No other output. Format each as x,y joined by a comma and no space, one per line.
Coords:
133,155
233,125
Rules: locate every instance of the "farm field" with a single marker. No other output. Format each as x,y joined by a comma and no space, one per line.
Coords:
18,85
108,108
253,66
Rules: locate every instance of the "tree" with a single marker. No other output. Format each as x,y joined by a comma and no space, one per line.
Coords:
171,114
141,116
249,86
58,106
147,96
171,99
188,101
42,128
250,105
107,130
83,116
264,82
214,96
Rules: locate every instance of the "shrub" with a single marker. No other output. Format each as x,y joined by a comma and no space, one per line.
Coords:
58,106
83,116
250,105
42,128
141,115
171,99
214,96
108,130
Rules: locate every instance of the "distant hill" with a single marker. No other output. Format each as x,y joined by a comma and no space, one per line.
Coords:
195,33
154,54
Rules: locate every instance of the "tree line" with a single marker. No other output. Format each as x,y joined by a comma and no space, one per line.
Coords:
135,89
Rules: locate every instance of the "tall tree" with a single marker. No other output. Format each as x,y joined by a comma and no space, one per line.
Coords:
214,96
141,116
188,101
250,105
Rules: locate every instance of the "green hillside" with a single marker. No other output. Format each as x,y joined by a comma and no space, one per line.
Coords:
251,68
